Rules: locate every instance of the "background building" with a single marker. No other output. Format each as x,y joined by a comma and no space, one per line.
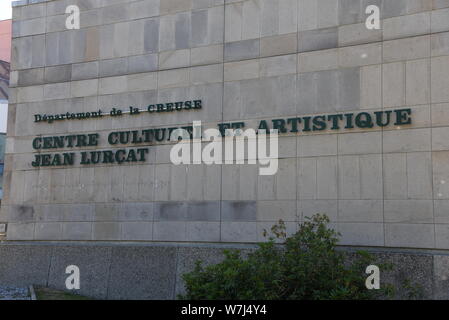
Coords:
248,61
5,40
5,56
2,161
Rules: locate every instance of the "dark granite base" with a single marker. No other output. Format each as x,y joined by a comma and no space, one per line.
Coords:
153,271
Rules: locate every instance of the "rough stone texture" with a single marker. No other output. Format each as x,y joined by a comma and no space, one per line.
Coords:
441,277
411,274
142,273
416,269
151,271
187,258
94,265
23,265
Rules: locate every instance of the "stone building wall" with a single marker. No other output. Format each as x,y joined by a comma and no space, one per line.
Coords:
247,61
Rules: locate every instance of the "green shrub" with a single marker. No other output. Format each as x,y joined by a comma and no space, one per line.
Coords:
306,267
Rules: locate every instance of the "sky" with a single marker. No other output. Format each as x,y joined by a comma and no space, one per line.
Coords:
5,9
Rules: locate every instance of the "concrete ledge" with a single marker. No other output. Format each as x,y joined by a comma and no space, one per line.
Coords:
153,271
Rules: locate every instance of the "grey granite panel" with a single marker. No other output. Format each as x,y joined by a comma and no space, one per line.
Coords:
31,77
170,211
440,277
151,35
199,27
87,70
38,51
239,211
143,63
349,88
58,74
182,31
329,91
318,39
241,50
144,273
93,262
22,213
203,211
113,67
393,8
23,265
